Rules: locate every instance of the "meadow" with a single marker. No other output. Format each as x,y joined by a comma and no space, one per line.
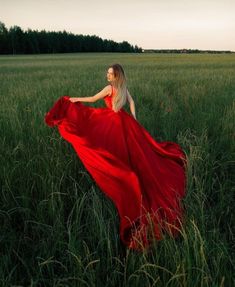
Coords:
58,228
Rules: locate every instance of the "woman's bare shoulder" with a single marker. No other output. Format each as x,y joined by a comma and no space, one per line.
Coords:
109,89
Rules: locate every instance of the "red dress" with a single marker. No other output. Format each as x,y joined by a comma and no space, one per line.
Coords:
145,179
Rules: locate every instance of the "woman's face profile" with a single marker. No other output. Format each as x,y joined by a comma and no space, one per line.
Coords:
110,75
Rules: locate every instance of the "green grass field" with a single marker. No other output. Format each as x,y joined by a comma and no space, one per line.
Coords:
58,228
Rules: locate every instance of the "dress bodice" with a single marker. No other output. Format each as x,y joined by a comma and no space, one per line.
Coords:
108,99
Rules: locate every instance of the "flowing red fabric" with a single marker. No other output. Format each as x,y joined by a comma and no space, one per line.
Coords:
145,179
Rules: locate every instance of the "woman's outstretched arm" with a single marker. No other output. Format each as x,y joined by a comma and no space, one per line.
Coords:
94,98
81,99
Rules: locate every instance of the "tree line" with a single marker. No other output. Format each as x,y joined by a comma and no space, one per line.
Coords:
17,41
188,51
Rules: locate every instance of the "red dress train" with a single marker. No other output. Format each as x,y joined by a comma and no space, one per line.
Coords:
145,179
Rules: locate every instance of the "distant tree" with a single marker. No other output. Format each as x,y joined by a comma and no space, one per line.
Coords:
124,47
31,42
4,39
17,40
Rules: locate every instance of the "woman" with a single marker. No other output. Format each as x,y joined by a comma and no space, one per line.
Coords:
145,179
116,76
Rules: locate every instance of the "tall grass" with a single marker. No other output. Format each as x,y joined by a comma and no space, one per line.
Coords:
58,228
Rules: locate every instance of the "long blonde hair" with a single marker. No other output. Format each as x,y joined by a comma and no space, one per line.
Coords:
120,98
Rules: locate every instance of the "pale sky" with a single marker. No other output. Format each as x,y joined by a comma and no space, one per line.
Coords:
150,24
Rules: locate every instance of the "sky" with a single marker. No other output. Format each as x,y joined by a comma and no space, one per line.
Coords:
149,24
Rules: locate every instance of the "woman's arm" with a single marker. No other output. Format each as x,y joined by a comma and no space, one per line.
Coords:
81,99
132,108
132,104
94,98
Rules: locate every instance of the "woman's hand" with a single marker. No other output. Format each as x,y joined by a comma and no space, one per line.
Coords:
73,100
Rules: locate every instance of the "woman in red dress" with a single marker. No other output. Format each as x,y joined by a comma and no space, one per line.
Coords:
144,178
